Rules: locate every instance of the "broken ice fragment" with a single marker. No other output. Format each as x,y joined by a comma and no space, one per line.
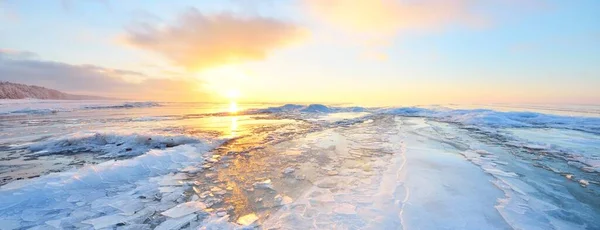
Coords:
176,223
106,221
247,219
218,191
127,206
569,176
332,173
346,209
184,209
264,184
191,169
283,200
288,170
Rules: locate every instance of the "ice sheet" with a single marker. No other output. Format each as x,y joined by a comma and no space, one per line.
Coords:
36,106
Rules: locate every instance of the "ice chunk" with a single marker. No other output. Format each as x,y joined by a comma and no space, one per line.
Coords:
106,221
111,144
184,209
283,200
266,184
54,223
9,224
127,205
247,219
346,209
288,170
176,223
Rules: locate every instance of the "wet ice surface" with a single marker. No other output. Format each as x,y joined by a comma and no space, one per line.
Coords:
177,166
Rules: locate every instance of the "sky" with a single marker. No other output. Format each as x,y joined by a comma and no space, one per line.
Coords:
365,52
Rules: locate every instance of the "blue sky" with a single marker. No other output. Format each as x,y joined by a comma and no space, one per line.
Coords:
388,52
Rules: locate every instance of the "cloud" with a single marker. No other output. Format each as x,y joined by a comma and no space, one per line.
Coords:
373,24
387,17
198,41
25,67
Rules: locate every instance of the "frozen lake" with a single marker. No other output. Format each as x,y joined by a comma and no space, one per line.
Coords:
124,165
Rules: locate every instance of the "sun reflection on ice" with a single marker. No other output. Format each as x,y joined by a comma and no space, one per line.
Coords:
234,125
233,108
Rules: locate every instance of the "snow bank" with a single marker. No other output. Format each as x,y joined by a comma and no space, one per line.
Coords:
490,118
108,144
113,193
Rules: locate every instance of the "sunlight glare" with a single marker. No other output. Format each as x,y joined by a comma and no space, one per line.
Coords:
233,94
233,107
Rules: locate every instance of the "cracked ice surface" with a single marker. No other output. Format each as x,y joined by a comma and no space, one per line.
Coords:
320,167
109,194
389,180
413,174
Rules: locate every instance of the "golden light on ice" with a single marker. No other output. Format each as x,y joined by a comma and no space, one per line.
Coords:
247,219
234,125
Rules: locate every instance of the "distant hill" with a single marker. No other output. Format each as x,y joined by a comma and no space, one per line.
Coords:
10,90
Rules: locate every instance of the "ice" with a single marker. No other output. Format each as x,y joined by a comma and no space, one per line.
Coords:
312,108
316,108
283,200
332,168
184,209
288,170
437,175
491,118
579,148
177,223
266,184
124,105
106,221
346,209
36,106
128,189
109,144
218,223
247,219
127,207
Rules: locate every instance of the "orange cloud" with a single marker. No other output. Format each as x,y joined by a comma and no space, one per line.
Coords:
198,41
386,17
